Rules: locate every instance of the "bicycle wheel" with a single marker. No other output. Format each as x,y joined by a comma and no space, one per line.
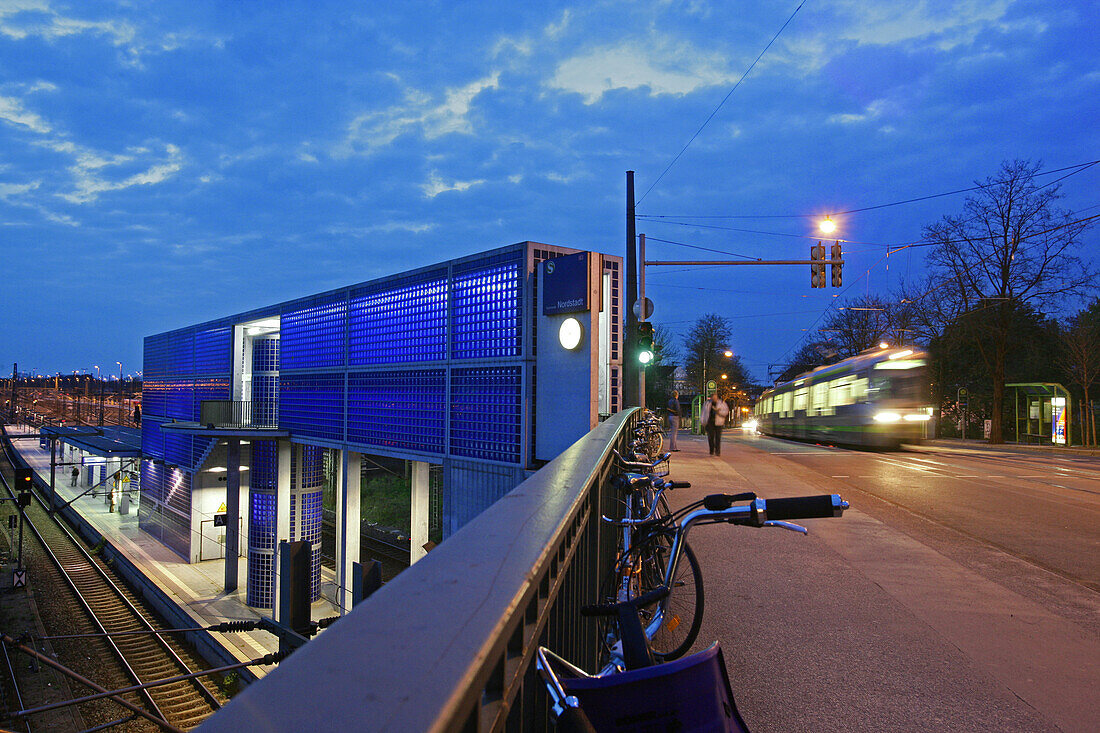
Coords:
654,442
682,609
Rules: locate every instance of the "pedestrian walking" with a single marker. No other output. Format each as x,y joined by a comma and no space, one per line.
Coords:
75,475
673,420
713,416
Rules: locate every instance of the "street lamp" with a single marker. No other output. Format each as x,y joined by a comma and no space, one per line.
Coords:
119,392
827,225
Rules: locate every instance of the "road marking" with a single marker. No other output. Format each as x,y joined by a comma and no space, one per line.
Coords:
840,477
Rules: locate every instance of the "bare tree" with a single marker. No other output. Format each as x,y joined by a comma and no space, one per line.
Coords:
864,322
706,344
1080,359
1011,245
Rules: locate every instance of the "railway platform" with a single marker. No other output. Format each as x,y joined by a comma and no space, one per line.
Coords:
197,588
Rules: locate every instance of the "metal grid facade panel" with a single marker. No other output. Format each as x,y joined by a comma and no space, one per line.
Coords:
313,336
399,409
164,510
486,407
214,351
312,405
402,321
487,313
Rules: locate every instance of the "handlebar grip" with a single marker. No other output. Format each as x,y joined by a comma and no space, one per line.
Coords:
678,484
805,507
573,720
718,502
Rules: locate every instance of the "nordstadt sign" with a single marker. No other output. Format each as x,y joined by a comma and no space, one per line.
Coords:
565,284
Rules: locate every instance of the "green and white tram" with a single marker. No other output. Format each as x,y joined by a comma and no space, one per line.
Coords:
878,398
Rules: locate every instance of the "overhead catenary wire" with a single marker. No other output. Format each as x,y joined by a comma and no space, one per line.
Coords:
720,104
1074,170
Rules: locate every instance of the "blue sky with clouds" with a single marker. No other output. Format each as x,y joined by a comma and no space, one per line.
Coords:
165,163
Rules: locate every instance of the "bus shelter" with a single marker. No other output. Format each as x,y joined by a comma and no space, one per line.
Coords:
1043,415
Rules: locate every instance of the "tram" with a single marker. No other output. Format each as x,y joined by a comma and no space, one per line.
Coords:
878,398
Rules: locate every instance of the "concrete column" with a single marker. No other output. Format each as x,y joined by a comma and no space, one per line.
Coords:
282,514
232,512
418,534
348,527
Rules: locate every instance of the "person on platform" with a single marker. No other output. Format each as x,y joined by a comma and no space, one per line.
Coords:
137,414
714,416
673,420
75,475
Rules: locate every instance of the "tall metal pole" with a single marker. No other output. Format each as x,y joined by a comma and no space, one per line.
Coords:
14,379
630,350
641,310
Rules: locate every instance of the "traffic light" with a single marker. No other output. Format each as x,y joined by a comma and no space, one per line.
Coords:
817,266
837,255
645,342
24,479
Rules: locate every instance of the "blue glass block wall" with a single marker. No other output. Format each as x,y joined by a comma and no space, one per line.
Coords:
398,409
214,351
265,381
262,488
306,524
486,411
313,336
164,509
396,322
487,309
312,405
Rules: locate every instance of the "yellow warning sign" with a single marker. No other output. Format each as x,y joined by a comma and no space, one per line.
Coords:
222,508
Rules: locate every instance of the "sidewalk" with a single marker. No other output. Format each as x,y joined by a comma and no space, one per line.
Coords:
195,587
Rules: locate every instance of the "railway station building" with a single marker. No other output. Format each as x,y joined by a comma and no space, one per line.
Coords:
471,372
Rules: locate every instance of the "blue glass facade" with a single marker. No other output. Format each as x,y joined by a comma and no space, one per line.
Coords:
434,365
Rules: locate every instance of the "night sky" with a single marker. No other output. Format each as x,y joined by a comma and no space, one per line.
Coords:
166,163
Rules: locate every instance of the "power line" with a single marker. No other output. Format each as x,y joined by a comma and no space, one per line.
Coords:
712,114
1074,170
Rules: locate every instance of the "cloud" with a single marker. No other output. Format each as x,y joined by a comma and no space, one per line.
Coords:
13,112
938,26
436,185
872,111
20,19
554,31
91,177
417,112
388,227
663,68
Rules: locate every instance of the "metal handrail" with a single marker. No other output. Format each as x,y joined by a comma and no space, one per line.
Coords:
237,414
450,643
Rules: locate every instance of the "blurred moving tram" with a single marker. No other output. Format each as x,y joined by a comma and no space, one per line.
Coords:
879,398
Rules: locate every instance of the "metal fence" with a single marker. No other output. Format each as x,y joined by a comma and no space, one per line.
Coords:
236,414
449,644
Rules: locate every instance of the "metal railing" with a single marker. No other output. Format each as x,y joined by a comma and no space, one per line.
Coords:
449,644
238,414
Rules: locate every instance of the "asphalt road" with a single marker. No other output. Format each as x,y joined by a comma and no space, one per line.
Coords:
961,592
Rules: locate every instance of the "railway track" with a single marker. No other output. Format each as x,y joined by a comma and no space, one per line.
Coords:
111,607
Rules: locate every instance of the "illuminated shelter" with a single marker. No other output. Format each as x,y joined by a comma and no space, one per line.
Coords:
437,366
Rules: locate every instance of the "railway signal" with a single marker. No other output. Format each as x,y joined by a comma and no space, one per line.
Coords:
817,266
24,480
837,265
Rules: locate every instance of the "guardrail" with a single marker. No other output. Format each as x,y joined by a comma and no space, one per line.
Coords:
449,644
236,414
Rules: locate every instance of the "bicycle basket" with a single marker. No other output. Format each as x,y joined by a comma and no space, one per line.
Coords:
662,469
688,694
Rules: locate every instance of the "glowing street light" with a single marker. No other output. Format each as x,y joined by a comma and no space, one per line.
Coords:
827,225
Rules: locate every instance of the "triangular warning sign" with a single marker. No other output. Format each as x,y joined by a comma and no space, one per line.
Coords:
221,509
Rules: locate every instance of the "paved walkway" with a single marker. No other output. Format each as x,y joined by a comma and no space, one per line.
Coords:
196,587
860,621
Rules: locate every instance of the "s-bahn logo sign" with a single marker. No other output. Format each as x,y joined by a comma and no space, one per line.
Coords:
565,284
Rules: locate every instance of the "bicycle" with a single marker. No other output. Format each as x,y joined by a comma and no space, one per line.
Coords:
635,690
640,565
